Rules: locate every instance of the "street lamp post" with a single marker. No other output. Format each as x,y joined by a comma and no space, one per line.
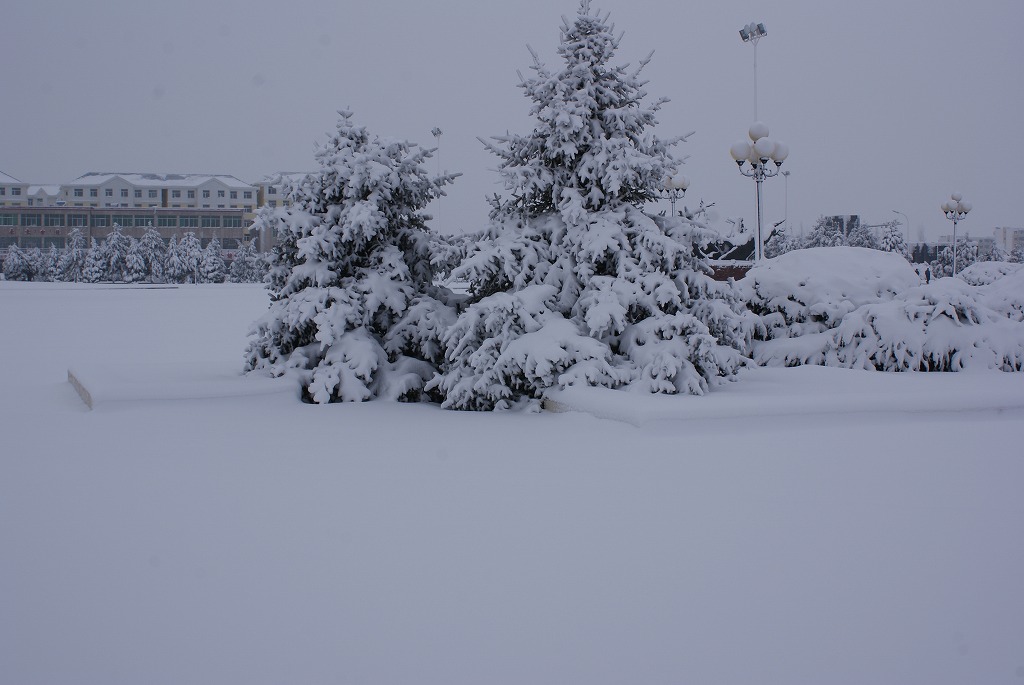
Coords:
751,33
956,209
675,188
759,154
906,223
785,175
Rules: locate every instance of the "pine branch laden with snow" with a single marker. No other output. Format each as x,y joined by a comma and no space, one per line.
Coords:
893,241
353,307
573,283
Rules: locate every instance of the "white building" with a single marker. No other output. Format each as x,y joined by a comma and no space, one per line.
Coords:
1009,238
197,191
12,191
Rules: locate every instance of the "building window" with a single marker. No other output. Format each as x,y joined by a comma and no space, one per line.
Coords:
220,193
79,192
94,192
15,191
100,221
234,194
8,219
108,192
188,222
232,222
175,193
248,209
191,194
247,195
143,220
152,194
206,194
124,192
54,220
271,190
138,192
78,220
167,221
210,222
30,219
3,190
220,206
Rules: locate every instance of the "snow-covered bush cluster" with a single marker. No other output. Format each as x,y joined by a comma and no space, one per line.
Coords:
572,282
125,259
353,307
860,308
983,273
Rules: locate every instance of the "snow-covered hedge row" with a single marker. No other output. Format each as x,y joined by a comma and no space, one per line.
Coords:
983,273
882,321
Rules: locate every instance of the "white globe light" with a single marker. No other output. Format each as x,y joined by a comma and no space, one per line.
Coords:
682,183
945,206
781,152
966,206
765,148
957,197
758,130
740,150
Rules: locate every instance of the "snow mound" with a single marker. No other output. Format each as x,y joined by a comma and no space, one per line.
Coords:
984,273
810,291
1005,295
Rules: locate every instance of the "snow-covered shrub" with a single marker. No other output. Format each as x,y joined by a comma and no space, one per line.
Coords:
17,266
937,327
983,273
573,282
1004,294
353,308
245,267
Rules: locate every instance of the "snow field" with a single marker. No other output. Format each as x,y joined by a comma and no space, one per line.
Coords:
257,539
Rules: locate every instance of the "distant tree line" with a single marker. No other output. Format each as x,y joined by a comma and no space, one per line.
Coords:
124,259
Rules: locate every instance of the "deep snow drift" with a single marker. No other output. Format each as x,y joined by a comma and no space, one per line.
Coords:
255,539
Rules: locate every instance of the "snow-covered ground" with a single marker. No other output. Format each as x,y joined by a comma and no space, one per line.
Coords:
809,525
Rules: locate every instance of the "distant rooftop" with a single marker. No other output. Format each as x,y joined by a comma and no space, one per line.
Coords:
144,179
4,178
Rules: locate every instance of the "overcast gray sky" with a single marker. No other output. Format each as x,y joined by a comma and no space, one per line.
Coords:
886,104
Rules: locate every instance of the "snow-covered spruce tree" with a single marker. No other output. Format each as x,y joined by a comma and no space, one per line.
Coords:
115,246
353,308
17,266
154,253
173,267
966,254
573,283
212,268
95,268
135,270
72,260
893,241
190,252
244,268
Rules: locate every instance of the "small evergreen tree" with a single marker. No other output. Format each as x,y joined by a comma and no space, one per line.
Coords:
154,254
174,268
17,266
212,268
574,282
190,252
116,246
826,232
72,260
244,267
892,239
135,269
96,263
353,308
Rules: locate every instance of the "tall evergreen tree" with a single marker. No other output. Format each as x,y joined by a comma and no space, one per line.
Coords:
893,240
135,269
353,308
175,270
190,252
154,254
573,282
72,260
212,268
17,266
96,263
244,268
115,246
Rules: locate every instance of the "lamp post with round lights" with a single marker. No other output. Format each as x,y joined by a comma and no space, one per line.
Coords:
759,153
675,188
956,209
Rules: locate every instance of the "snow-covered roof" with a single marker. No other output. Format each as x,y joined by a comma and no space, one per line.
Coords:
4,178
284,177
47,189
94,178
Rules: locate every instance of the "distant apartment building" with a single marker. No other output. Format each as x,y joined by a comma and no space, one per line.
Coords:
209,205
1009,238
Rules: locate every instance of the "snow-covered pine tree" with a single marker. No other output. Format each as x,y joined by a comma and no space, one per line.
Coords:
574,282
49,272
174,268
893,240
353,308
154,253
212,268
72,259
245,266
96,262
116,245
826,232
190,252
135,269
17,266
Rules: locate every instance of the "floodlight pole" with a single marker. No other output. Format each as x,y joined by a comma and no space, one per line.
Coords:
906,222
752,33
